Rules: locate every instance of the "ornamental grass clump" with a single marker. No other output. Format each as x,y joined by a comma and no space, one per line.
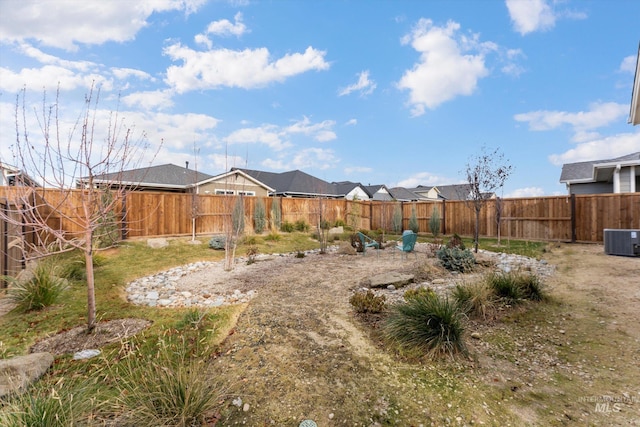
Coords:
475,299
169,389
427,325
514,287
44,288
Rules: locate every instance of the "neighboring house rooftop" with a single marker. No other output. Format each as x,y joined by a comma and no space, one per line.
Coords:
402,194
596,170
162,177
13,176
294,183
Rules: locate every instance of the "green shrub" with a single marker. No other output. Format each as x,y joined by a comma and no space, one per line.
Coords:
75,268
301,225
432,326
396,219
434,222
41,290
367,302
250,240
218,242
193,318
421,292
456,259
476,299
532,287
287,227
413,220
300,254
237,216
339,223
273,237
259,217
276,214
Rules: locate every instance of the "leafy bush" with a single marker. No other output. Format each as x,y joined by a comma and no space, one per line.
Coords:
301,225
367,302
456,259
421,292
259,217
413,220
476,299
218,242
339,223
41,290
431,325
300,254
287,227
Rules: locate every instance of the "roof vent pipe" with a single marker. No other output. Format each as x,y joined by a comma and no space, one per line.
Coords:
187,163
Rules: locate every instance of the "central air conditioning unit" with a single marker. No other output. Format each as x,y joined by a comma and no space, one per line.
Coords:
622,242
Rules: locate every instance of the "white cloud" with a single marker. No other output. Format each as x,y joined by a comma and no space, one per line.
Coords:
363,85
65,23
446,69
526,192
150,100
604,148
247,69
50,77
225,28
269,135
351,122
319,131
278,165
317,158
357,169
628,64
125,73
531,15
426,179
45,58
583,122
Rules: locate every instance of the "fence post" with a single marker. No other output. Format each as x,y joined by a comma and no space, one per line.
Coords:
124,230
573,218
444,217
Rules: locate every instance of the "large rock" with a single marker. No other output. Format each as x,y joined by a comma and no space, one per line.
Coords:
383,280
346,249
17,373
157,243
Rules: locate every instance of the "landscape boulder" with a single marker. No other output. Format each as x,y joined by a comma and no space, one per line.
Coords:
20,371
157,243
397,280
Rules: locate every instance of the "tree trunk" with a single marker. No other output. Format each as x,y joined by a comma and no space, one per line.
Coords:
91,296
477,230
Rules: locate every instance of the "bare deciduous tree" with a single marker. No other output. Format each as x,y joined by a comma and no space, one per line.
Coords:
485,172
89,156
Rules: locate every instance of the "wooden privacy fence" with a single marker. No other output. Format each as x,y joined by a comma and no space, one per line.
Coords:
576,218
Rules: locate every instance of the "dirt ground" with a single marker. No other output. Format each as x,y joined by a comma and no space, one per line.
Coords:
298,351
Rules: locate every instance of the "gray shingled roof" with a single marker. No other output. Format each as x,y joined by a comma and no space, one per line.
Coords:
584,171
403,194
294,183
162,176
454,191
372,190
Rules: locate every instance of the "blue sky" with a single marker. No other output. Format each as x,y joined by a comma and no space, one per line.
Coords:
378,92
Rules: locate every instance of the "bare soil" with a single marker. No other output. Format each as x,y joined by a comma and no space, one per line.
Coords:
299,352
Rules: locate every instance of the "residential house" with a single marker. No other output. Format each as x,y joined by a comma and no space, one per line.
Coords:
378,192
619,175
294,184
235,182
351,190
12,176
168,178
402,194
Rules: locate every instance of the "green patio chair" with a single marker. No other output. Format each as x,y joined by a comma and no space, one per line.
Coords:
409,239
367,242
